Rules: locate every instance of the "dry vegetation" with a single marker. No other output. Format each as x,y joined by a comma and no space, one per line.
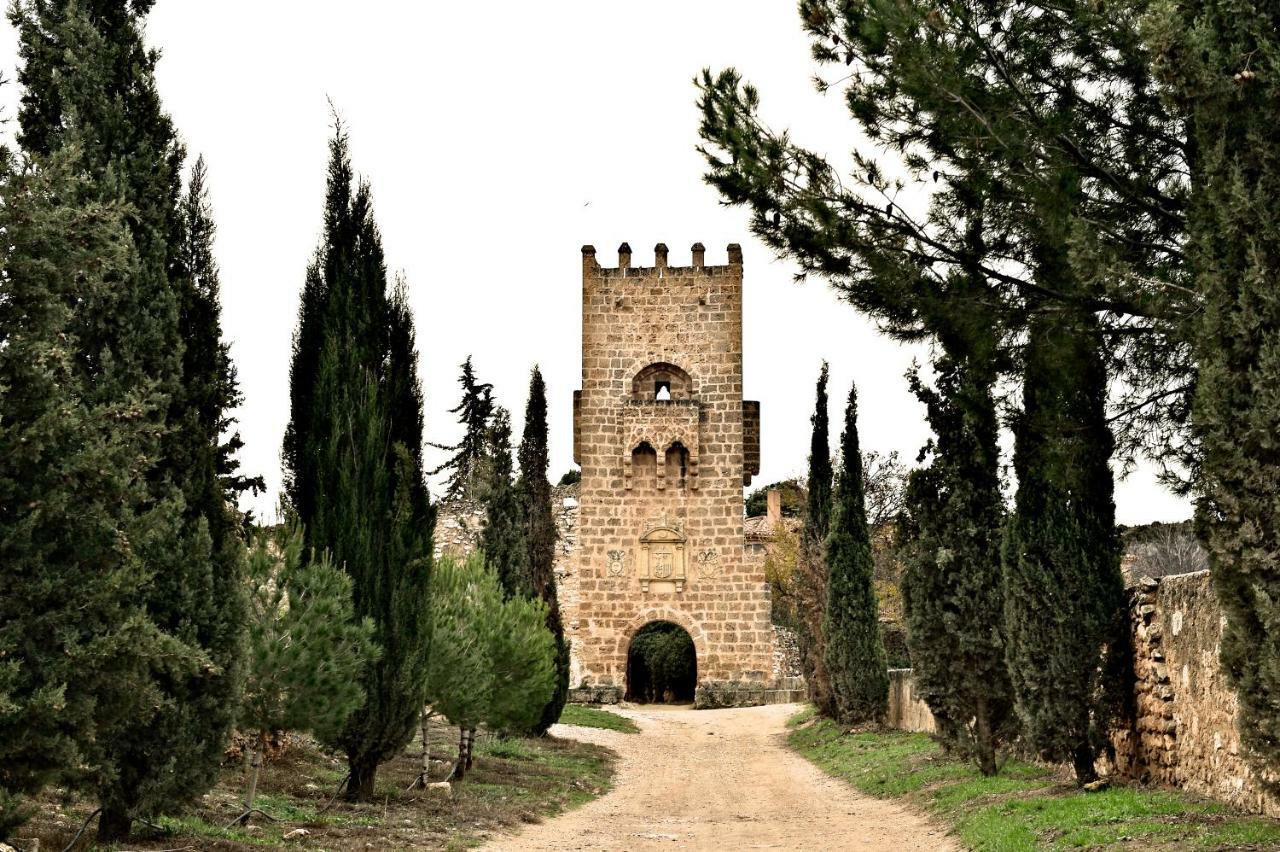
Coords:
514,781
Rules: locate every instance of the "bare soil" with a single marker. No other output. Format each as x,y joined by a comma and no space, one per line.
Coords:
722,780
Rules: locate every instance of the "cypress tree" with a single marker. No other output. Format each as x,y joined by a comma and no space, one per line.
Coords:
540,534
1221,63
212,386
811,585
468,466
855,656
353,462
1063,593
86,70
952,587
77,645
503,541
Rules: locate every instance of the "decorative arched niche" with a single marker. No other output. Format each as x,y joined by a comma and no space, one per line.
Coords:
662,558
661,382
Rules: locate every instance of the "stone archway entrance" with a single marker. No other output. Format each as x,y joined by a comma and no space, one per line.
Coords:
662,665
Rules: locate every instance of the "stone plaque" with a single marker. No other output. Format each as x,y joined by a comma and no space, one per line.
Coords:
662,558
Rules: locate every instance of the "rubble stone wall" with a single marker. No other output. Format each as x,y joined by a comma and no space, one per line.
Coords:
1184,732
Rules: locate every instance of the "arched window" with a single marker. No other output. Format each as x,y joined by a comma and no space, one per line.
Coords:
661,382
644,466
677,463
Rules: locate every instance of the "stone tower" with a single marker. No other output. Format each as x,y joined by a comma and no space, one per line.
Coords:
666,444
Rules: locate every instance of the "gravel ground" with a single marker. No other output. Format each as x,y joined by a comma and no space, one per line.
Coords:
722,779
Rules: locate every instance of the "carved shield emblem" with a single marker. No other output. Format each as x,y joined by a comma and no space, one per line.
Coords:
708,564
662,563
617,564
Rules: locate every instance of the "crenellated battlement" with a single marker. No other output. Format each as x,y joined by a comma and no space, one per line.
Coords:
660,268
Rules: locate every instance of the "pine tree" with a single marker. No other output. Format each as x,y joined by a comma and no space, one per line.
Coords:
353,454
522,657
1221,64
1037,110
459,678
952,587
87,72
503,541
1061,553
306,648
811,579
465,602
468,466
534,491
855,657
77,646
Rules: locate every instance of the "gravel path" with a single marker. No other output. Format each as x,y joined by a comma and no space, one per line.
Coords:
722,779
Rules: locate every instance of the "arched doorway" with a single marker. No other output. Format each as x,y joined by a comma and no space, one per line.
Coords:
662,665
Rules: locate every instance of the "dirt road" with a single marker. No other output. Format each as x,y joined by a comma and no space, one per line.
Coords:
722,780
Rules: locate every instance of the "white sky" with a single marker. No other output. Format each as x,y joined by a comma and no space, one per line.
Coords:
497,143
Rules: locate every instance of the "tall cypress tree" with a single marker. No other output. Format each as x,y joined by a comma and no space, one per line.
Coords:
353,455
506,549
1063,592
468,466
1221,63
855,657
811,586
85,67
77,645
952,587
212,386
540,535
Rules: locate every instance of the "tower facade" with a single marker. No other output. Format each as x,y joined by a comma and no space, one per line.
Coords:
666,444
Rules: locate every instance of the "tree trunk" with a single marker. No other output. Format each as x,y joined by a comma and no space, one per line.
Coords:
985,745
363,774
255,767
471,745
114,824
460,765
1083,761
424,775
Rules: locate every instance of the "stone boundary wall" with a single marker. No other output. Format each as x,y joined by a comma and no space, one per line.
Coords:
1184,732
907,712
1184,729
786,654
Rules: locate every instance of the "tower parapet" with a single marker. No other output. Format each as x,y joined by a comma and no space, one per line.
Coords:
660,267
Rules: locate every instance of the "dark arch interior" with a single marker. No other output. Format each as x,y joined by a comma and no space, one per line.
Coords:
662,665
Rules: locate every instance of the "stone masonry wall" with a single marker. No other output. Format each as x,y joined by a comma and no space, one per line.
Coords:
907,711
689,318
1184,733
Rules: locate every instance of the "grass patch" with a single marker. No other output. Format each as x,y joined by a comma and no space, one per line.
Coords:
1025,807
590,717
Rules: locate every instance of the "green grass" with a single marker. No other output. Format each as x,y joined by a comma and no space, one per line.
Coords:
590,717
1025,807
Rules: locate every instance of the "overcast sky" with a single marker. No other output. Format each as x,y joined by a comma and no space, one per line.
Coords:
499,138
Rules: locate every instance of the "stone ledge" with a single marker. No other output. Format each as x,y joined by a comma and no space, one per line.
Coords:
595,695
